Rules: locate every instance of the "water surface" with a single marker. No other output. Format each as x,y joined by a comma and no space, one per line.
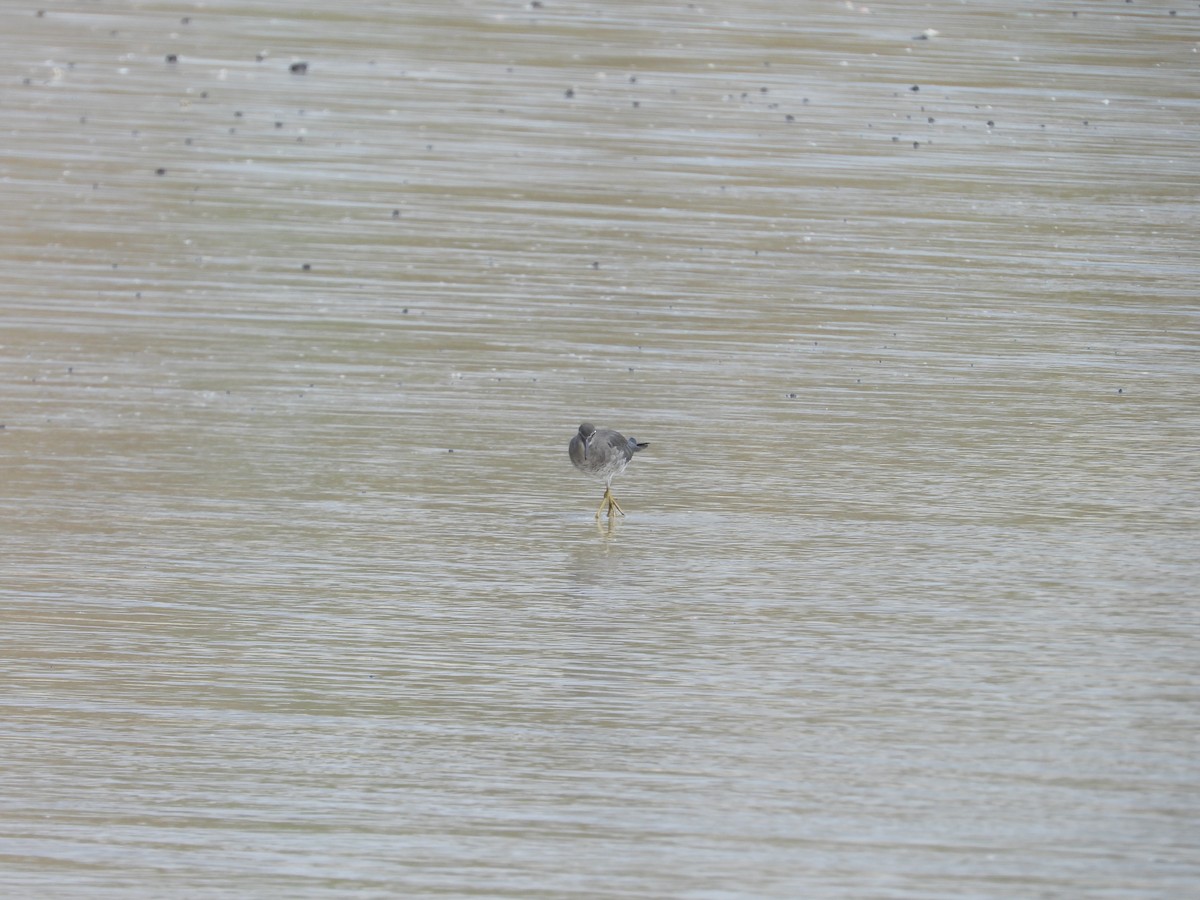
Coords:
302,597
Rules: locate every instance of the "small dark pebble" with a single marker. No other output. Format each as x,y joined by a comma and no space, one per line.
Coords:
298,68
172,58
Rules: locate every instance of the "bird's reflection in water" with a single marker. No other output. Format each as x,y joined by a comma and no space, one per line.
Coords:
607,528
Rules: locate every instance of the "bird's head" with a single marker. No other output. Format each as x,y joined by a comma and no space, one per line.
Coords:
586,431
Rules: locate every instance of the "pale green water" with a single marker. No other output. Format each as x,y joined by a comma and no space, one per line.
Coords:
904,604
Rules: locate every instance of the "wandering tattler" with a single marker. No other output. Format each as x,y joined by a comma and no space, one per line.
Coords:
604,453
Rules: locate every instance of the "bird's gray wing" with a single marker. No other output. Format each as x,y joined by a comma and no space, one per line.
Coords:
606,439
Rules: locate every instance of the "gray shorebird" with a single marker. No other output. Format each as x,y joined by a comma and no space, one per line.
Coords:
603,453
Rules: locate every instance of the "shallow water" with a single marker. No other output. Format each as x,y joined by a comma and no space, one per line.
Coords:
302,596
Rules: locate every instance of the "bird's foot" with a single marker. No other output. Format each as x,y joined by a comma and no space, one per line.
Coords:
608,503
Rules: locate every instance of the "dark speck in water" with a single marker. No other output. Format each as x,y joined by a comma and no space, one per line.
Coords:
298,68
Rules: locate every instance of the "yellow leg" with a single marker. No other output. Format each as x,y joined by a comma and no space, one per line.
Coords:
612,504
608,503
